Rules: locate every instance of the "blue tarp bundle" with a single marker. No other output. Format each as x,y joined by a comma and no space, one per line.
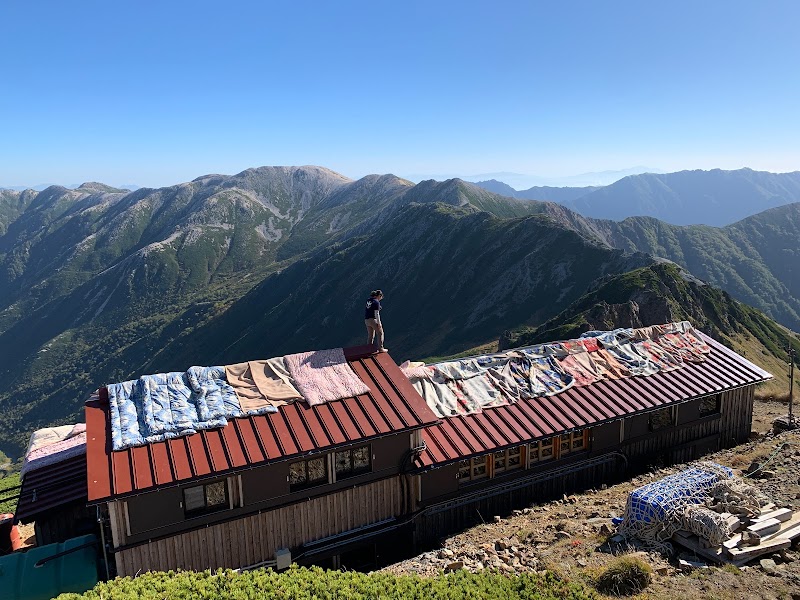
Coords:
652,502
154,408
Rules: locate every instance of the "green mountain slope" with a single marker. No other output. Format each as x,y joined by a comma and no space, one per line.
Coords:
757,260
661,293
95,282
453,278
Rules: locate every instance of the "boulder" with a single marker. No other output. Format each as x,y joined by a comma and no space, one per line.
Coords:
455,565
768,565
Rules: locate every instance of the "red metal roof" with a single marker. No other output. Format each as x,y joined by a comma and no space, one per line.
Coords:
456,438
392,406
52,486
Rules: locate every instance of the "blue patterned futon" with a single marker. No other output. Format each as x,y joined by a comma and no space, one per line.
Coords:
154,408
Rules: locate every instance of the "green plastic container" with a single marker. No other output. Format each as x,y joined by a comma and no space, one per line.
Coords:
21,579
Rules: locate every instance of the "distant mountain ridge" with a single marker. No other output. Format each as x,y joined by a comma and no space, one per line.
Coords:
562,195
519,181
757,259
714,197
98,284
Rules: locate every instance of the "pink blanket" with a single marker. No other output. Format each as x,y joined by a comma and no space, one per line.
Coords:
323,376
55,449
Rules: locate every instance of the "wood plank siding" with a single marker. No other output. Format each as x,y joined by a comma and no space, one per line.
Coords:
691,440
255,538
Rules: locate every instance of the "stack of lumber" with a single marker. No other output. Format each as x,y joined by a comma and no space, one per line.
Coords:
773,530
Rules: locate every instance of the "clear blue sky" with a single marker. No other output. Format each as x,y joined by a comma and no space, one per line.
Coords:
155,93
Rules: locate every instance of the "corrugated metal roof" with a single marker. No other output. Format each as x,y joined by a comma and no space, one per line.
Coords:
52,486
456,438
392,406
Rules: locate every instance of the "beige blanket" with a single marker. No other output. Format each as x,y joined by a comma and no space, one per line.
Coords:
260,383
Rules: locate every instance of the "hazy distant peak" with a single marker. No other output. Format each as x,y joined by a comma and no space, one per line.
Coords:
94,186
203,178
387,180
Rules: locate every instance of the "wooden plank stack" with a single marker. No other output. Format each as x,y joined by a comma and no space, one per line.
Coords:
774,530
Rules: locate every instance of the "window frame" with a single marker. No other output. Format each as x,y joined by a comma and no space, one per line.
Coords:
206,508
467,468
296,487
666,409
514,452
571,438
717,398
353,471
537,448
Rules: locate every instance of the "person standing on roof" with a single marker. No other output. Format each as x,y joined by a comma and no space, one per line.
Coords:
372,318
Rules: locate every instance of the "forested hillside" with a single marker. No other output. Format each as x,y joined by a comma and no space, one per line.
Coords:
757,260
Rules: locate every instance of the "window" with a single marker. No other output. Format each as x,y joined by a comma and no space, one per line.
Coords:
577,441
352,461
473,469
542,450
308,473
710,405
206,498
508,460
660,419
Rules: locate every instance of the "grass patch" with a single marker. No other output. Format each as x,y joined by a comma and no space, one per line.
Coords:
743,460
7,485
729,568
623,576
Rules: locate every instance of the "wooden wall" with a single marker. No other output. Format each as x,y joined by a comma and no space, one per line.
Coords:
255,538
160,512
692,440
60,524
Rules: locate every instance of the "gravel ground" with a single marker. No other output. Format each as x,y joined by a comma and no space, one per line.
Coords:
570,535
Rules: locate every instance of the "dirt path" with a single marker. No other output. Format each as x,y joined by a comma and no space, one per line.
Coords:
569,536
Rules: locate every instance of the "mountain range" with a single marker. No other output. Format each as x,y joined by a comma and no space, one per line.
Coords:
99,284
521,180
562,195
714,197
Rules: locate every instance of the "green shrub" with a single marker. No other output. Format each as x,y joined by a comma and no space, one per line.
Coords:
624,576
314,583
7,485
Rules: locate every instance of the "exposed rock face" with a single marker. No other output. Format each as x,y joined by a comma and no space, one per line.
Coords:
655,294
653,309
756,260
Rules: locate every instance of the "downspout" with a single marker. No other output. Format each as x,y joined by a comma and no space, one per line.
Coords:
405,466
100,522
